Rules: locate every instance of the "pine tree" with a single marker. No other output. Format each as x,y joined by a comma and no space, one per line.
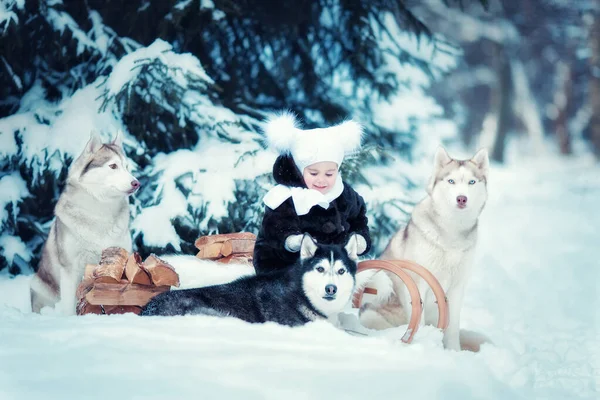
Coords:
189,82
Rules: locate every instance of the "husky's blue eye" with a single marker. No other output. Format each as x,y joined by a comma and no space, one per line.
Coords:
341,271
472,182
321,269
451,181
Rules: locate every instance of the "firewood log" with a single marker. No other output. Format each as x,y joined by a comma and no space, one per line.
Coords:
237,246
112,265
123,293
204,240
135,272
84,287
210,251
244,258
89,271
161,273
84,307
87,282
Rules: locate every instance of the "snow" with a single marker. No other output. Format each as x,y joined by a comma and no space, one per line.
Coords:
534,294
62,21
15,77
53,132
209,173
12,246
12,189
7,13
394,38
127,69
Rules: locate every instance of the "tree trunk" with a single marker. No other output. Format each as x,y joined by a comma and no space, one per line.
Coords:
595,85
502,100
562,101
525,106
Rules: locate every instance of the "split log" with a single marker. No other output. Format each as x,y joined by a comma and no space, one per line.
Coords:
161,273
112,265
87,282
236,259
123,294
205,240
84,287
84,307
237,246
135,272
89,271
210,251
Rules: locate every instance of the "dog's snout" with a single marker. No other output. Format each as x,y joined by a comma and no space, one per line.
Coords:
330,290
461,200
135,184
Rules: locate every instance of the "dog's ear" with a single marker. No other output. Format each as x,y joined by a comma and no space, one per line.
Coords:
118,140
352,247
441,159
308,247
482,160
94,143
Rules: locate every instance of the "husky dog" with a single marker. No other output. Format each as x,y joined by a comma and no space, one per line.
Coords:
92,214
441,235
317,286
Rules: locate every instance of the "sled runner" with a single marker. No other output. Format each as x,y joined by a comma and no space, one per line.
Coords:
399,267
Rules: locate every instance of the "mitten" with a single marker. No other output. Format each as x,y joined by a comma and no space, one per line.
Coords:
293,243
361,244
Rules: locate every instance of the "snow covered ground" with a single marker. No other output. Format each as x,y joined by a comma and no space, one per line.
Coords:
534,293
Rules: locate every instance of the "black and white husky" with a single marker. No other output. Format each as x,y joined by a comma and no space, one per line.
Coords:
318,286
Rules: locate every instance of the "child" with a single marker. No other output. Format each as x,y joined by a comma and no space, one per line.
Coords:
311,196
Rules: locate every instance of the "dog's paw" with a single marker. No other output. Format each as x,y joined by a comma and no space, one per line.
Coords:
369,317
383,316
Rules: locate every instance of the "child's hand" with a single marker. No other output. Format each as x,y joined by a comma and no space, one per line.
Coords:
293,243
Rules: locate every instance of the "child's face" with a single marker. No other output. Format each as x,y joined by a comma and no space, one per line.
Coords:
321,176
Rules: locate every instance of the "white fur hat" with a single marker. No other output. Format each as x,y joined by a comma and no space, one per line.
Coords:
314,145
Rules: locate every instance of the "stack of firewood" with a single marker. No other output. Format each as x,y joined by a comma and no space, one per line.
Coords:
123,283
227,248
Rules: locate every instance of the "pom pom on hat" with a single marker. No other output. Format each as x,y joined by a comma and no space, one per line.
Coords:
314,145
350,135
281,131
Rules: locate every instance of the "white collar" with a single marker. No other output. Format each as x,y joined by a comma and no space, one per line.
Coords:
304,199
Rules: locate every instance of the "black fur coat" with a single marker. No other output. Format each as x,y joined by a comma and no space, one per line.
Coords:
345,215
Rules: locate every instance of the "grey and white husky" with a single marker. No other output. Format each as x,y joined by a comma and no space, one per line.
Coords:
92,214
318,286
441,236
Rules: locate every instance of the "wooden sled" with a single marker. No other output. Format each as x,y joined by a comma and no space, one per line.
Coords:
399,267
